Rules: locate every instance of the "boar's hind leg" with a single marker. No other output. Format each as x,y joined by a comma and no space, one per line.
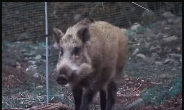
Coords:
111,95
102,99
86,99
77,94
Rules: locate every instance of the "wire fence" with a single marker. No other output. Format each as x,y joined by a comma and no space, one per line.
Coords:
154,30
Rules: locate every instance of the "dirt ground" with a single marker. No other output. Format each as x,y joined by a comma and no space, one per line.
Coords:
129,90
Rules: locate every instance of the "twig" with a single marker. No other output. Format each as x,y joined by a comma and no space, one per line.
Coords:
7,4
140,6
102,5
7,11
139,87
93,8
4,19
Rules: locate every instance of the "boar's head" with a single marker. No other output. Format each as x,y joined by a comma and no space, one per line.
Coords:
74,62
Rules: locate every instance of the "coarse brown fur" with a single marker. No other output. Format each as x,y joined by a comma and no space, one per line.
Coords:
99,62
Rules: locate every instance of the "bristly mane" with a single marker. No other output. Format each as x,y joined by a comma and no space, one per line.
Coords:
84,22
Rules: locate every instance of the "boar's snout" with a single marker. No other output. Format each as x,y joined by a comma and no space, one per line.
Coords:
65,75
62,80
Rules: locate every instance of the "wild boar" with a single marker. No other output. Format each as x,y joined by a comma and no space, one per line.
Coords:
92,56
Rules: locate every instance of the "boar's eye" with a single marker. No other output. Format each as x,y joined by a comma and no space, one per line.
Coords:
61,52
76,50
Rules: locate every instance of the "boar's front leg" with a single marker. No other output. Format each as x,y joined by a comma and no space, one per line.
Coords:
77,94
86,99
111,95
102,99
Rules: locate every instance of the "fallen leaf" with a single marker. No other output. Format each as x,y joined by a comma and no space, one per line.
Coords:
147,45
158,63
18,65
169,39
176,55
141,56
181,60
135,51
166,61
168,14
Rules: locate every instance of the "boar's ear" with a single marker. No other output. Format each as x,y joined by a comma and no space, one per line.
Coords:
83,34
57,34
